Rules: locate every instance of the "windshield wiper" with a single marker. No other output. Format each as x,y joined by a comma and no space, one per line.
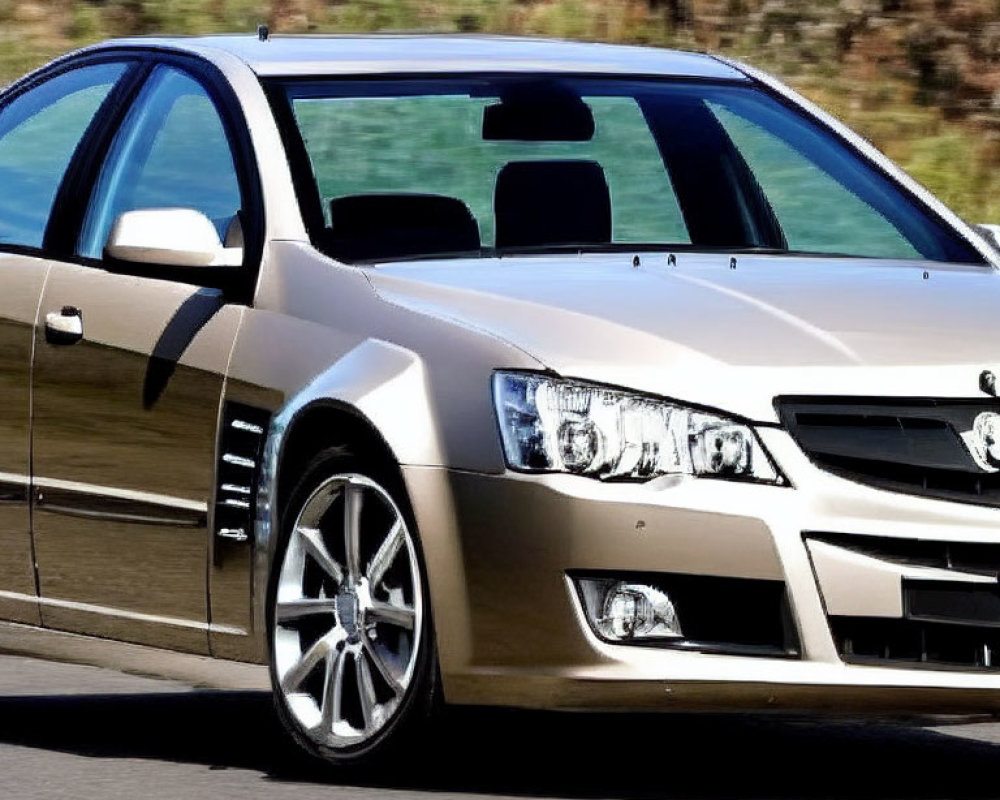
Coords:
632,247
612,247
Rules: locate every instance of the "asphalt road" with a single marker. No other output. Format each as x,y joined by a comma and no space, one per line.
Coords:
81,732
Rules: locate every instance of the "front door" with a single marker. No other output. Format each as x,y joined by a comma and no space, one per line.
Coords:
128,379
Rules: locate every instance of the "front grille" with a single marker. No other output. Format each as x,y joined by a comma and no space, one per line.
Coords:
945,623
912,445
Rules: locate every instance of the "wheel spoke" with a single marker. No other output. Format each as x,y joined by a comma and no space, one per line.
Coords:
400,616
381,666
386,554
352,527
366,689
315,547
318,505
299,671
333,691
289,610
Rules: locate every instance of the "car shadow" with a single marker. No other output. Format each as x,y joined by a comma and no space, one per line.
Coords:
533,754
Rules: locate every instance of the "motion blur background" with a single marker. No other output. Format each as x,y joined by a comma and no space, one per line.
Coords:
920,78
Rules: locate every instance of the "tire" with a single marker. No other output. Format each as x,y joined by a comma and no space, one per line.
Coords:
351,645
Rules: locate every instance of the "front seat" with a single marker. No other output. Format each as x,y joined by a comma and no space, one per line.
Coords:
371,227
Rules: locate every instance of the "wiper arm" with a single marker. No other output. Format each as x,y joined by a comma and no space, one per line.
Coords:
633,247
756,249
608,247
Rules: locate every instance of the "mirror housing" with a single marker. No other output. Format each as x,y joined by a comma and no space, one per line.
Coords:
991,233
170,237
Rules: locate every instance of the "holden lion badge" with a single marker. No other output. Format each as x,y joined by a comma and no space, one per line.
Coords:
983,441
988,382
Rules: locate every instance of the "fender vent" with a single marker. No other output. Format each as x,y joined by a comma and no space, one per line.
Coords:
244,429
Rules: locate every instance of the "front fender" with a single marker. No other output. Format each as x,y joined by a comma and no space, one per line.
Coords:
386,386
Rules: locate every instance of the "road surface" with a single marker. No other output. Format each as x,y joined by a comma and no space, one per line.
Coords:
82,732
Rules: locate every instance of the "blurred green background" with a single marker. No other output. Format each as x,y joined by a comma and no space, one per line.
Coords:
920,78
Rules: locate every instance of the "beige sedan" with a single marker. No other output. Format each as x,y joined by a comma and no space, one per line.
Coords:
426,370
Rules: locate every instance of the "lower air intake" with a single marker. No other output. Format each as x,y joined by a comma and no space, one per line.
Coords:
915,643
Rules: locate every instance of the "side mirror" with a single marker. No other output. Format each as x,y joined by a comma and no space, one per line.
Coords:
170,237
991,233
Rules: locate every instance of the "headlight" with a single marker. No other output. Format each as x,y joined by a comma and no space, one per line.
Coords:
555,425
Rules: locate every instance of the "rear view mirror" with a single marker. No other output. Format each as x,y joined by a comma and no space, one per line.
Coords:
172,237
538,112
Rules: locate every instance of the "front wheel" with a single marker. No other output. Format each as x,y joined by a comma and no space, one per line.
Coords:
352,660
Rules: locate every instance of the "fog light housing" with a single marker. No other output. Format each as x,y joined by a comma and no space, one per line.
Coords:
621,611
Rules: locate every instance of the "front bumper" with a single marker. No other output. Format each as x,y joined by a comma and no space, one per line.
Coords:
511,629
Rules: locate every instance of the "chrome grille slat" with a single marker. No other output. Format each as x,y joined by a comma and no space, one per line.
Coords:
249,427
239,461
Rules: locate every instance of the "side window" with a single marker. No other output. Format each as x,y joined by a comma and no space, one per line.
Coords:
39,132
171,152
817,213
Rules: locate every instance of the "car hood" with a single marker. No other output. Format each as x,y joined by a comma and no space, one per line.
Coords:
727,333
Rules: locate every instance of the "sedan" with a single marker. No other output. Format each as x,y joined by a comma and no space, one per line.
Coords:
422,370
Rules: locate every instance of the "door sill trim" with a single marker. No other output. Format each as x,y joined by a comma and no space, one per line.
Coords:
194,670
108,611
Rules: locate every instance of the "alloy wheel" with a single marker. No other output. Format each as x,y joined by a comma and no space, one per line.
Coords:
348,613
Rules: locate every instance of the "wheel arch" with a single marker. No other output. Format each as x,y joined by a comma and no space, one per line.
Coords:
325,423
375,401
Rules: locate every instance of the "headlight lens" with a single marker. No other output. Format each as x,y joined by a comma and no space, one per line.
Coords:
555,425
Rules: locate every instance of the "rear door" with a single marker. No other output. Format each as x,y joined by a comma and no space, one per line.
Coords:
129,369
41,126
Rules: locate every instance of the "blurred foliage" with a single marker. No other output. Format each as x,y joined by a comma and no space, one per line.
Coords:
920,78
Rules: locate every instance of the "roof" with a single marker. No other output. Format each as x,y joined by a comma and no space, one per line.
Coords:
407,53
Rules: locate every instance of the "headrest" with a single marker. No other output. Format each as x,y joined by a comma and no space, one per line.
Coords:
369,227
552,202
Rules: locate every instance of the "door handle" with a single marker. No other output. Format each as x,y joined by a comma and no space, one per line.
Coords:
64,326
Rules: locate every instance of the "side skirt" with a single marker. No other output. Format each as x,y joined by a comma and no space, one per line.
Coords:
198,671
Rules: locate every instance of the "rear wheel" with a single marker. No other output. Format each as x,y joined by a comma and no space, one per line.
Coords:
352,660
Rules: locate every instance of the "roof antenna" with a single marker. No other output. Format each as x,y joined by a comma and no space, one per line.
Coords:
263,33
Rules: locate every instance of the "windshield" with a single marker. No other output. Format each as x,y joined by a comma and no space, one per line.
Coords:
395,169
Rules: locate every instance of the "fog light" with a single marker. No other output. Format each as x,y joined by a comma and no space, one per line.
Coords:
634,611
629,612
